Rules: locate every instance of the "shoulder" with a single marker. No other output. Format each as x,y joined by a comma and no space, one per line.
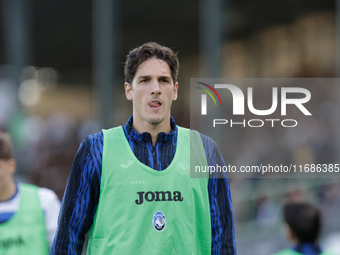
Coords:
208,141
212,151
48,199
91,148
205,139
47,194
93,141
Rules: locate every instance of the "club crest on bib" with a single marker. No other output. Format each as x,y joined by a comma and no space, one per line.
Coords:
158,221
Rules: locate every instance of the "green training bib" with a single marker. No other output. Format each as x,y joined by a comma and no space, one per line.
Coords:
25,232
144,211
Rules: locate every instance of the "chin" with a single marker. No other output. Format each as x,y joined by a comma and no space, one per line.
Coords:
155,121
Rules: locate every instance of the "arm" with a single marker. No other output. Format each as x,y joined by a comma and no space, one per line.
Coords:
223,234
80,198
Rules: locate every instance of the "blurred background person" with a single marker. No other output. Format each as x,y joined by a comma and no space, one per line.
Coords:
303,222
28,214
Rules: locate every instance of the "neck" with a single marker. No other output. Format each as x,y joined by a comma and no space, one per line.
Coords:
152,129
7,191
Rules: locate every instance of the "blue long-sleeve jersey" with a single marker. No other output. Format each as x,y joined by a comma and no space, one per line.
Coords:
82,192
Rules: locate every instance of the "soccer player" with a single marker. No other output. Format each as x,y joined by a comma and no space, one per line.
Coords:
130,191
303,226
28,214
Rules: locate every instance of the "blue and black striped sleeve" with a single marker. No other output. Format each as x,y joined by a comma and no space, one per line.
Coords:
222,224
80,198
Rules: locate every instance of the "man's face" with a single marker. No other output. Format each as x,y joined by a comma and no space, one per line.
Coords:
152,92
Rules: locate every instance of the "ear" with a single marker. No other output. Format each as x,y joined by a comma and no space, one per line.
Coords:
174,96
128,90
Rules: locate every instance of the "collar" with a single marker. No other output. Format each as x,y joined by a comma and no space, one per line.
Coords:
146,137
308,248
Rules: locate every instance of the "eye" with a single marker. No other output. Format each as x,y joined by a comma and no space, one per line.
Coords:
164,80
144,80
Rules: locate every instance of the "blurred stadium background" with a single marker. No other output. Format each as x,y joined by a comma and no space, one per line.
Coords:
61,78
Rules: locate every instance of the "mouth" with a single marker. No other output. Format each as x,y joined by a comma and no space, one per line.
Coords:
155,104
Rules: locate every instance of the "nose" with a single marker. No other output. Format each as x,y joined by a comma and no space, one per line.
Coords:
155,88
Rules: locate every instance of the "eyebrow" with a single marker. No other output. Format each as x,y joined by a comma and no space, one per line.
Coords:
149,76
143,77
